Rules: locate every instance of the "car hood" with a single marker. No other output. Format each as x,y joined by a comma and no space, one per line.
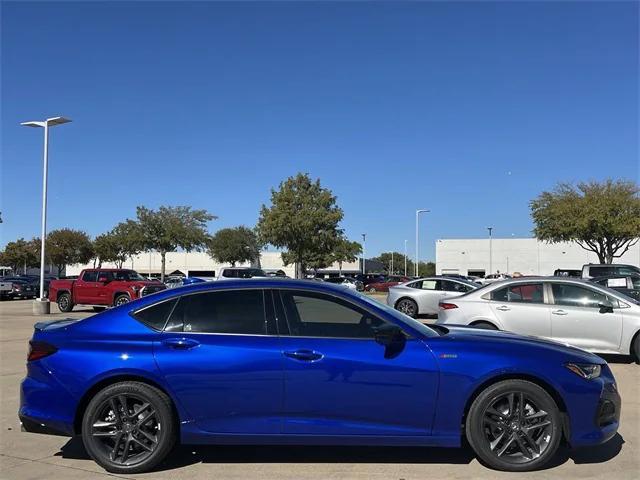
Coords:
466,333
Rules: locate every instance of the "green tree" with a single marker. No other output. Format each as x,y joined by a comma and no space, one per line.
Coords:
345,251
67,247
601,217
21,254
426,269
118,245
169,228
233,245
303,218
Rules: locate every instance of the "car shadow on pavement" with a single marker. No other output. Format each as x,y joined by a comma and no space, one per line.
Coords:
185,455
621,359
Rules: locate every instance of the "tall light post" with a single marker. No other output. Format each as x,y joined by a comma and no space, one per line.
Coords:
418,212
392,263
405,258
364,240
42,305
490,251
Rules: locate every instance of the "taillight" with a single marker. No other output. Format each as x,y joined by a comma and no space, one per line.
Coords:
38,350
447,306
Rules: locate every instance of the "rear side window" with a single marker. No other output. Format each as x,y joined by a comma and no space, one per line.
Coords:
155,316
231,311
600,271
449,286
521,293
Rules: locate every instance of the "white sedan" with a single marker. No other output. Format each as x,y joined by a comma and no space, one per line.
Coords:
571,311
418,297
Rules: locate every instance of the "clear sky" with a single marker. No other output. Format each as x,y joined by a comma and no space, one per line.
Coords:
468,109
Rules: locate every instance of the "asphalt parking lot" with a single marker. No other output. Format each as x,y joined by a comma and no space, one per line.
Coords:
32,456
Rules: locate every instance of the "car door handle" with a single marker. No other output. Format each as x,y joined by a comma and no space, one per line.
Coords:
503,308
181,343
304,355
559,312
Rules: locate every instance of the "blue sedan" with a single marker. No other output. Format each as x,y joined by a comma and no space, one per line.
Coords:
277,361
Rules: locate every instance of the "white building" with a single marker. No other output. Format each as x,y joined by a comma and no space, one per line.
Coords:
196,264
508,255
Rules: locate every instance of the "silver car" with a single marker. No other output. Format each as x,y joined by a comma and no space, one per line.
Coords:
423,295
572,311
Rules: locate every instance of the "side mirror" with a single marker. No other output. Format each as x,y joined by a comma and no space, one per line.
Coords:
606,306
389,335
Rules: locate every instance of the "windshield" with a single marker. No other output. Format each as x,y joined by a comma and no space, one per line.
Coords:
128,275
412,322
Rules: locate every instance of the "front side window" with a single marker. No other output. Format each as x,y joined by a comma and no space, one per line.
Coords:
577,296
520,293
627,270
228,311
318,315
449,286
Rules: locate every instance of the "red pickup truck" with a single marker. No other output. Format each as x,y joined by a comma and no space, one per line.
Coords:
101,288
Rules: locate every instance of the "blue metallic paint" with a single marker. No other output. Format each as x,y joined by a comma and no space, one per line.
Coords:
242,389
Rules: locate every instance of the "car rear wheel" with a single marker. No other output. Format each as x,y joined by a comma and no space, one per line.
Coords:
485,325
514,425
129,427
121,300
408,307
635,348
64,302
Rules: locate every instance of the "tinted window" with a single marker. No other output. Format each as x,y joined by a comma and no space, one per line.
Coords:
233,311
106,275
627,271
450,286
600,271
576,296
90,276
156,315
227,273
520,293
316,315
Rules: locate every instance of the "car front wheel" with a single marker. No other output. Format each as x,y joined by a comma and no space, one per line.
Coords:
514,425
129,427
64,302
121,300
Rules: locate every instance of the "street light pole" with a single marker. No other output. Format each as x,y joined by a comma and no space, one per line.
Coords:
42,305
405,258
364,244
391,263
418,212
490,250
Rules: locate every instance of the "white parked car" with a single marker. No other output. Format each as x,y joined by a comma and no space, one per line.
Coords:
492,278
234,273
422,296
573,311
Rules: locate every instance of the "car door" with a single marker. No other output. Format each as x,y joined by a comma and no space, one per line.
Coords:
85,289
104,286
340,381
429,296
576,317
521,308
221,357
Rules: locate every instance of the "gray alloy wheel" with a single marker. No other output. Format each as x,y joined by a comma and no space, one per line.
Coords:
64,302
121,300
129,427
514,425
408,307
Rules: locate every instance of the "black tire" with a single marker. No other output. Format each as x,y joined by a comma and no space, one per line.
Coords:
153,426
65,304
485,325
635,348
98,309
408,307
510,418
121,299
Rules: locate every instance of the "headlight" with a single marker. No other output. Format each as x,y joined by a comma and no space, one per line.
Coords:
585,370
